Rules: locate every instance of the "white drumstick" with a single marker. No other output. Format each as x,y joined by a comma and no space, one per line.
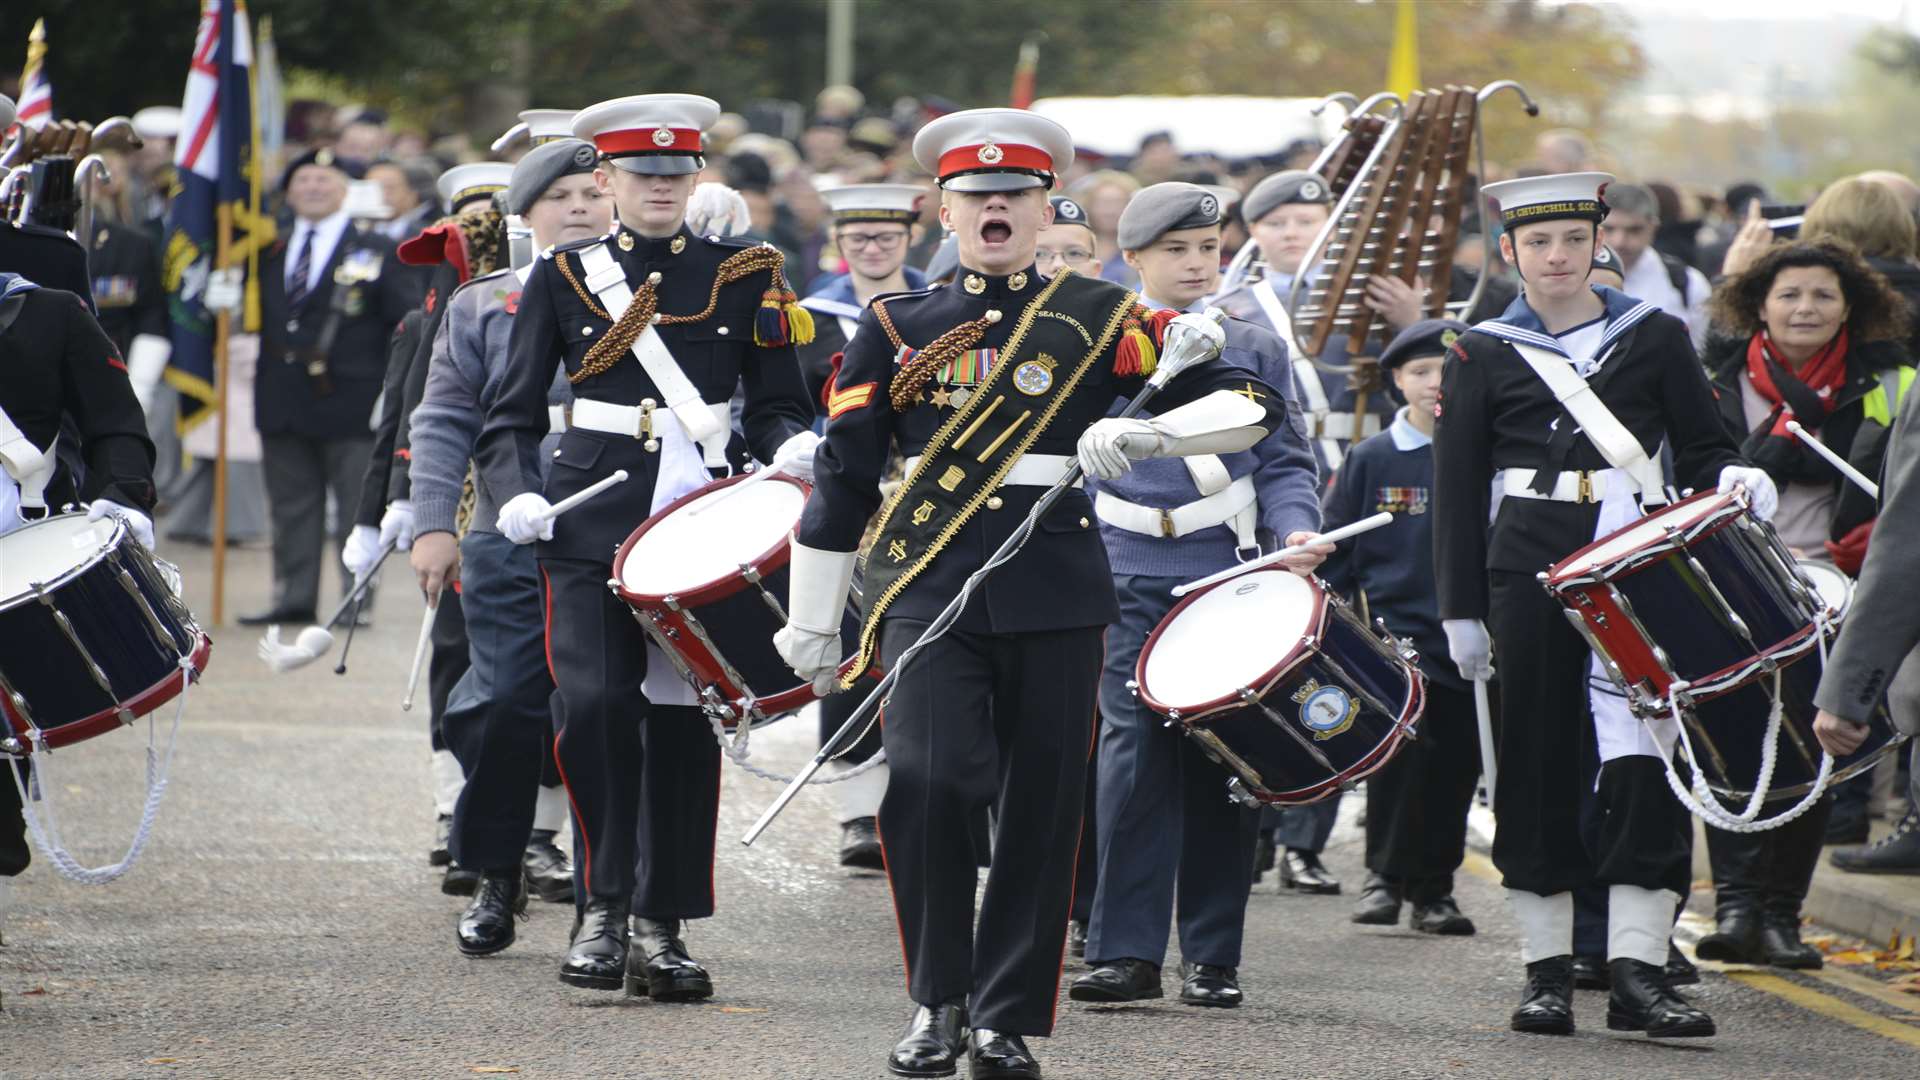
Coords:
752,479
1345,532
1834,459
1489,768
419,655
619,476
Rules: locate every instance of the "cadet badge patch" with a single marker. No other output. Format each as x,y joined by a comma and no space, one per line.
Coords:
1035,376
1326,710
1400,500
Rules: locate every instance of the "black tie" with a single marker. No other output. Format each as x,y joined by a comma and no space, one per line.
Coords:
302,270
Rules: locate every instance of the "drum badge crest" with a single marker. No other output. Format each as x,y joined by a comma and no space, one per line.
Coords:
1325,710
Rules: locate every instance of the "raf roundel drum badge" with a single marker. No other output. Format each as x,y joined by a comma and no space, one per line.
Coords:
1325,710
1035,377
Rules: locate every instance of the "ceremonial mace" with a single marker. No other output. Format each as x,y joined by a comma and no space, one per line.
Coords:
1192,339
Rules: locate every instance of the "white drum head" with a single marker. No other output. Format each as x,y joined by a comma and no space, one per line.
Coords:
1647,530
1834,587
1229,638
686,550
45,551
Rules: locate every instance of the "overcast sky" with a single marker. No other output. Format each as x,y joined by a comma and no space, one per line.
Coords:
1905,12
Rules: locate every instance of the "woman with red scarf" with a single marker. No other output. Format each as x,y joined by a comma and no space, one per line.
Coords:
1819,337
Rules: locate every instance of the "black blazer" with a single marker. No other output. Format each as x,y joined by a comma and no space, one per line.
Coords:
286,401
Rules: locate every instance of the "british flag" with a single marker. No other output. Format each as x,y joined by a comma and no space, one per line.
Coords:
36,93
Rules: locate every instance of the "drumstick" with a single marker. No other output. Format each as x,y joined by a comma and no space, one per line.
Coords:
1489,768
1345,532
420,647
752,479
1834,459
618,476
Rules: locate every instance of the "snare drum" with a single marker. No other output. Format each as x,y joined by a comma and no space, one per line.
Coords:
707,578
1699,592
1282,685
92,632
1830,582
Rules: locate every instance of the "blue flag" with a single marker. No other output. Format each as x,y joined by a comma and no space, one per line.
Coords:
214,163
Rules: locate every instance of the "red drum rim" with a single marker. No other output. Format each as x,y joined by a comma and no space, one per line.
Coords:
1709,520
106,720
720,588
1316,625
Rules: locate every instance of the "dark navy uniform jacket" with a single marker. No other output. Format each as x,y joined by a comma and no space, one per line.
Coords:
555,325
1061,579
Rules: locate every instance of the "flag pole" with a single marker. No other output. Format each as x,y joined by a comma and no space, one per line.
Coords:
223,326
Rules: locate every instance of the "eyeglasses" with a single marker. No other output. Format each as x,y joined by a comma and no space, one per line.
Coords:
887,241
1069,256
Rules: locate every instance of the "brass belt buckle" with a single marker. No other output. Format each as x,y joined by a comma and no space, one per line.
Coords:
1586,487
652,445
1166,524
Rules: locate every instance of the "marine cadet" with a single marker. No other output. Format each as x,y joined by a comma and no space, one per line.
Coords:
997,711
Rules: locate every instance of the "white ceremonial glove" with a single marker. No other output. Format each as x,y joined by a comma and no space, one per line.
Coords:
141,524
795,456
1761,493
1470,648
817,585
1109,447
397,525
524,518
225,291
718,209
147,357
361,553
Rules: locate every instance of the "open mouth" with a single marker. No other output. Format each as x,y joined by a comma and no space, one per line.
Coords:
996,232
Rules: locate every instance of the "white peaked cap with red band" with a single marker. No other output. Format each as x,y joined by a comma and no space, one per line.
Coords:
470,181
651,134
546,125
993,150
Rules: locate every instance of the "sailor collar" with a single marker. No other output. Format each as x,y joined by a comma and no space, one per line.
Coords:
836,297
1519,325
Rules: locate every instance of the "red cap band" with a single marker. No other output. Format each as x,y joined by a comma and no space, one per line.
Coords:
994,156
648,140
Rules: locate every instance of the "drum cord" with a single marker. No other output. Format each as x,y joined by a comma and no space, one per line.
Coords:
736,751
46,835
1705,804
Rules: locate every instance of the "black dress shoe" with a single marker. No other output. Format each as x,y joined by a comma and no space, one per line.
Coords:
487,925
1735,938
441,853
1642,1001
1546,1007
1120,980
933,1042
1302,871
460,881
1680,970
1780,943
1590,972
598,958
1210,985
1441,916
1077,939
549,871
1379,902
658,965
278,617
860,845
1897,853
997,1054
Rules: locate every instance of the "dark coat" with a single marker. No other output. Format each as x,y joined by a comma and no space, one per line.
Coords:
125,269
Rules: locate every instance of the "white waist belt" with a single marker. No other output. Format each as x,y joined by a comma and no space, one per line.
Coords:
1571,486
1340,426
1032,470
556,419
1216,509
633,421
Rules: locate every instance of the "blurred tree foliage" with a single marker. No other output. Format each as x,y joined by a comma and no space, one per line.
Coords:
457,65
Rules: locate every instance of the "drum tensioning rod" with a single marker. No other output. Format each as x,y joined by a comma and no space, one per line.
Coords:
1196,348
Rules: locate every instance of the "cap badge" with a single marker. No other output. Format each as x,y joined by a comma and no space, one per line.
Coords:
1209,205
1035,377
323,157
663,136
1069,210
679,245
1310,190
626,241
583,155
975,284
991,154
1448,337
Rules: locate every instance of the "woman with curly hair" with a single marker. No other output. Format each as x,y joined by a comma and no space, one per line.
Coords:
1813,334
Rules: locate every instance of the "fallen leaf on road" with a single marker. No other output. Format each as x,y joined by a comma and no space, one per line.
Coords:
163,1061
739,1009
1907,984
37,991
1903,950
494,1068
1851,956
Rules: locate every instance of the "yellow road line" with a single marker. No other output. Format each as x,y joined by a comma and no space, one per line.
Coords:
1867,986
1826,1005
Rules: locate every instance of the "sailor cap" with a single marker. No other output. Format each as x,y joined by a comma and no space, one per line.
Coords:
1580,195
475,180
874,202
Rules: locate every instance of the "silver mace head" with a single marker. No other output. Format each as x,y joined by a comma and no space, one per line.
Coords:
1192,339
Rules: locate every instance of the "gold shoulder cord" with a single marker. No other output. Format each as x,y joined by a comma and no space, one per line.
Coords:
886,323
633,322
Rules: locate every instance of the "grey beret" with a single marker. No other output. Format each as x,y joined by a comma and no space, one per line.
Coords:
544,164
1160,209
1292,186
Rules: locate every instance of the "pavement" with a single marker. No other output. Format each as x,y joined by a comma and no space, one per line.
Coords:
283,922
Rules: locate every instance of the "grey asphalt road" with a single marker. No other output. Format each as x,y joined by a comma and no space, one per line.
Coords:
284,923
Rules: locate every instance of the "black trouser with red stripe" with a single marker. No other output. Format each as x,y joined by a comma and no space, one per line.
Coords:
643,780
979,720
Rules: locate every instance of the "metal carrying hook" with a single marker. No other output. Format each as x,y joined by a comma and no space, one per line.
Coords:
1347,101
1480,153
1492,88
92,167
